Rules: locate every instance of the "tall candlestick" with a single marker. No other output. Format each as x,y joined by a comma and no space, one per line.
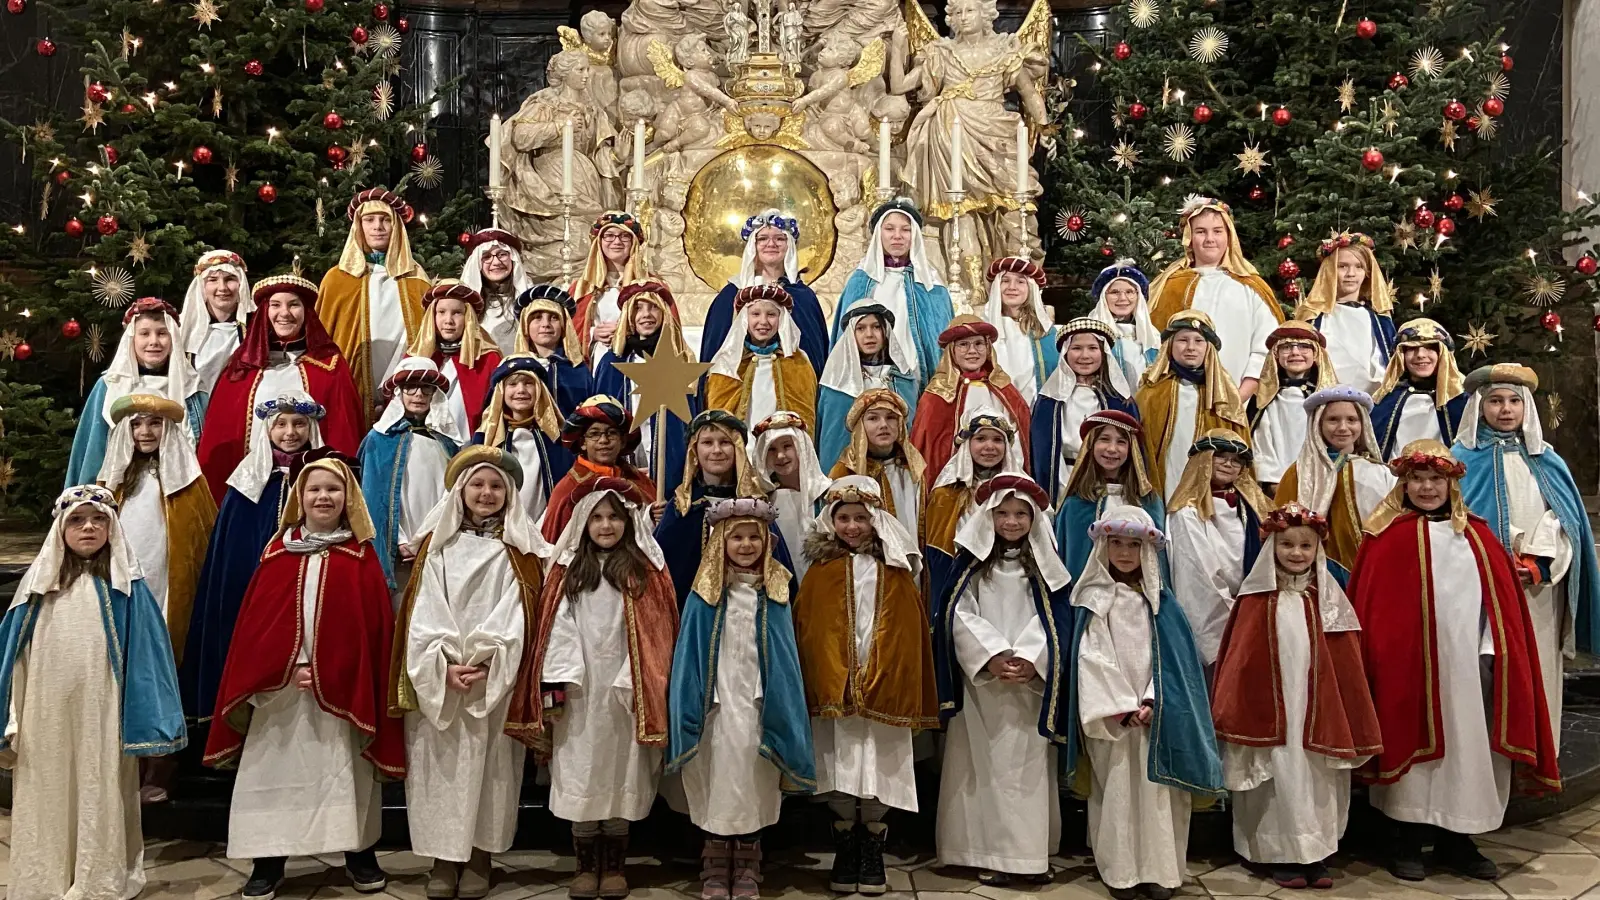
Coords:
494,150
955,155
884,174
1022,156
638,154
566,157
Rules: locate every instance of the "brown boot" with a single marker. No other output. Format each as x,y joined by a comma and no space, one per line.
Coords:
474,883
714,859
746,871
442,879
586,882
613,856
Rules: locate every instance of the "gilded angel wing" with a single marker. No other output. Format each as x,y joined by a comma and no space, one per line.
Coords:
919,29
870,65
1035,33
661,60
570,39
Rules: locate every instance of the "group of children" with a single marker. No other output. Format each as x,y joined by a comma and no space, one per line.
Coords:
1084,556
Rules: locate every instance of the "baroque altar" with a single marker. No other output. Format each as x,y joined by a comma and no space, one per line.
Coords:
694,115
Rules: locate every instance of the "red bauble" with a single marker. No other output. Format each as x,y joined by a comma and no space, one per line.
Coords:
1366,29
70,329
403,24
62,177
464,238
313,6
1505,62
1121,51
1285,242
253,68
111,154
1257,193
1587,265
1550,320
16,7
337,155
1423,217
1455,110
267,193
23,351
419,152
1075,223
73,228
107,225
1372,159
1107,250
1137,110
1288,270
1454,203
1494,106
1445,226
1281,116
1398,82
380,12
1202,114
359,34
1292,290
333,121
45,47
129,109
201,155
97,93
1472,123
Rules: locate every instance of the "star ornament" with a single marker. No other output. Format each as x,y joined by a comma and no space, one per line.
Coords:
93,117
206,12
1405,235
1143,13
1179,142
1542,290
663,382
139,250
1481,203
1427,62
1447,135
1208,45
1252,160
1125,155
1555,412
1347,95
1478,340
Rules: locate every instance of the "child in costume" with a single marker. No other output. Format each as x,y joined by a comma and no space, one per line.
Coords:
466,617
1297,366
880,449
1140,696
1421,397
1453,664
986,445
895,274
522,418
88,675
870,356
246,522
1088,380
862,631
1121,300
216,308
144,363
1025,345
1291,705
301,710
462,350
1214,533
494,269
611,265
545,330
607,622
737,723
1114,473
967,378
1339,474
1351,304
786,470
760,367
1001,626
1185,394
649,326
1523,489
403,461
600,434
771,257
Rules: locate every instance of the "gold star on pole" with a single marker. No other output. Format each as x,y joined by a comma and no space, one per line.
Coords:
1125,155
1481,203
1405,236
1347,95
93,116
663,382
1252,160
206,12
1478,340
1447,135
139,250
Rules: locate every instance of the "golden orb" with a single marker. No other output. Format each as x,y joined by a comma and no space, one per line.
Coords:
742,182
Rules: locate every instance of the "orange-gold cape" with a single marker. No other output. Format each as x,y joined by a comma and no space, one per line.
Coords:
1177,292
1158,411
874,470
942,515
1344,519
792,376
342,306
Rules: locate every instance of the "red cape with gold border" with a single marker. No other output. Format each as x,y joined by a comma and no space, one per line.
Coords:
559,509
474,381
933,431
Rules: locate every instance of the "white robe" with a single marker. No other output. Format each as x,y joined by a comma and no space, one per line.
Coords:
1279,434
1183,437
1080,404
386,326
1351,348
998,804
598,769
1241,318
874,377
857,756
1207,569
1132,353
1373,482
453,400
605,309
1536,531
422,484
730,788
1290,805
144,522
763,388
280,378
525,446
1139,830
1017,353
794,513
500,321
890,293
303,787
75,796
463,773
1419,420
222,338
1467,790
907,496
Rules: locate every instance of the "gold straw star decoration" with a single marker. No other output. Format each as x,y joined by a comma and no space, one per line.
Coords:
1179,142
1125,155
1478,340
1252,160
206,12
1481,203
1143,13
1347,95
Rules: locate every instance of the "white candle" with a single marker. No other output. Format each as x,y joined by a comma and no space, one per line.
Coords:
566,157
1022,156
638,154
494,150
884,175
955,154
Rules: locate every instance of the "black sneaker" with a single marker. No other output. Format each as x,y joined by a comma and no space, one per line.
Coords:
1458,853
1157,892
266,876
846,858
873,879
365,874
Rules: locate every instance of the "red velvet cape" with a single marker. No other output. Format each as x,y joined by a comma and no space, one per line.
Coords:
350,659
933,432
1391,590
474,383
1247,703
559,509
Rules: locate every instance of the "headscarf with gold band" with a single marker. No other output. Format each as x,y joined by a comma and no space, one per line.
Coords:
356,517
723,516
1448,381
671,333
593,278
744,475
552,299
855,455
1086,467
495,425
1324,294
1234,260
475,341
1220,389
1424,454
397,260
1194,487
1293,332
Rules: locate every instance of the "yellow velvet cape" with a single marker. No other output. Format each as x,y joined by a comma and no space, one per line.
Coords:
1174,291
941,516
792,376
1158,413
190,515
1344,517
342,307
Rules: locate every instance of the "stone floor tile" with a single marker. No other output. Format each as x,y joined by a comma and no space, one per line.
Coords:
1446,884
158,853
944,878
195,879
539,860
1552,876
505,886
1236,881
945,895
1571,822
1197,867
1077,889
659,893
1589,838
1363,887
1537,841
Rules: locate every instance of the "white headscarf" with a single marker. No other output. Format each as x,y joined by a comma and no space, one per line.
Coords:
1333,607
122,376
1144,331
1314,468
565,549
472,270
250,477
899,547
977,536
747,264
813,481
195,314
179,466
842,372
961,467
1095,585
445,519
731,353
1014,349
1532,430
439,419
872,262
44,575
1061,382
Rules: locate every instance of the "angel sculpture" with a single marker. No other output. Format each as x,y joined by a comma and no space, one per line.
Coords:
965,78
596,35
686,122
840,120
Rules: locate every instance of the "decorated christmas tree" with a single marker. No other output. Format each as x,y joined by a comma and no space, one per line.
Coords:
238,124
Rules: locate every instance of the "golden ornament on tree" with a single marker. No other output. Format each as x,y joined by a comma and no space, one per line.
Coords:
1143,13
1478,340
9,342
1208,45
382,101
1125,155
1447,135
429,173
1499,86
1252,160
1405,235
93,116
1426,63
1179,142
111,286
663,381
94,343
139,250
1481,203
1555,411
1347,95
1435,284
1542,290
206,12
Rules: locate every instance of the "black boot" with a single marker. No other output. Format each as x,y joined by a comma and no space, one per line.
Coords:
366,876
873,878
1460,854
846,858
1405,855
265,878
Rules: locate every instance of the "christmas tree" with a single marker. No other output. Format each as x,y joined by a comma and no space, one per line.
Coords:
1311,117
237,124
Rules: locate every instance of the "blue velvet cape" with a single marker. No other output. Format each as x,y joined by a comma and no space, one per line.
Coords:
833,407
1044,432
682,537
89,441
1072,530
1386,416
930,310
807,314
383,457
569,383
